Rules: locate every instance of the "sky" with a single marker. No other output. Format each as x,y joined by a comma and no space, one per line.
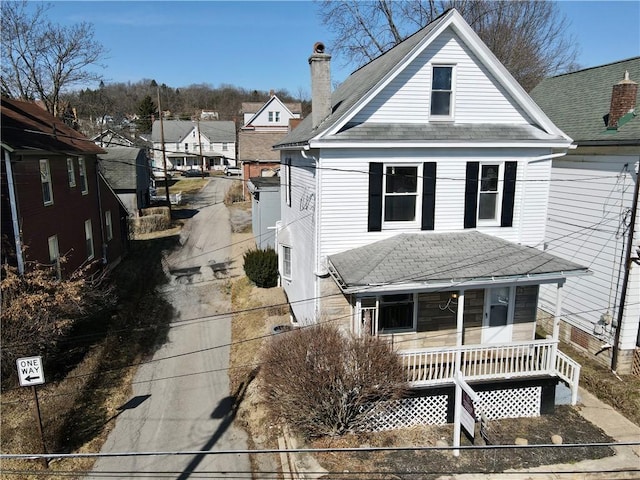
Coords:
265,45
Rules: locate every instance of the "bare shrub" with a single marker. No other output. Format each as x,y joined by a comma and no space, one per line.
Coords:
38,310
234,193
324,382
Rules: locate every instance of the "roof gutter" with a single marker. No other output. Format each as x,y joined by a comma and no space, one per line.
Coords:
453,284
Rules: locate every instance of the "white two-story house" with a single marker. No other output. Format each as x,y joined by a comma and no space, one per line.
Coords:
414,200
187,144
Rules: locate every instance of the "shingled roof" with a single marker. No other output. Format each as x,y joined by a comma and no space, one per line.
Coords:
363,82
577,102
443,260
177,130
120,165
28,127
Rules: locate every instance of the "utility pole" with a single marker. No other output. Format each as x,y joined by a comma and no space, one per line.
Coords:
200,145
164,156
627,269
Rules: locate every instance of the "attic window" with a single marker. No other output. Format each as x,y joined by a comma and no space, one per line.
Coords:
442,91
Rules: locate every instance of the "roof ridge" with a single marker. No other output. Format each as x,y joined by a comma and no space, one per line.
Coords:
594,67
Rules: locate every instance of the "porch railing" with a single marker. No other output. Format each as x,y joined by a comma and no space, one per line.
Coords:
433,366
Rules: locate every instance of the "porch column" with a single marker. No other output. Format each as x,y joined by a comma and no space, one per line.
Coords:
556,328
459,330
557,313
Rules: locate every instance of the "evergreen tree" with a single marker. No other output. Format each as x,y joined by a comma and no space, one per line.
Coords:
146,110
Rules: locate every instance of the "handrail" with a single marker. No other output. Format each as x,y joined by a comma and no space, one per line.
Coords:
432,366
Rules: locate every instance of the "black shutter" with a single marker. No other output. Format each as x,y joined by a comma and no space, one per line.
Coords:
471,194
508,194
375,197
428,195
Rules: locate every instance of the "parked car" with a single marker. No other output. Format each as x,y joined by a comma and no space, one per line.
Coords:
195,172
232,170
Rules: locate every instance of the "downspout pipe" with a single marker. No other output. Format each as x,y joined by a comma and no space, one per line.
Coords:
101,213
615,352
14,212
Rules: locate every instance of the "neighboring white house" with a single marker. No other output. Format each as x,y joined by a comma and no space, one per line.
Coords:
591,206
414,202
264,125
187,144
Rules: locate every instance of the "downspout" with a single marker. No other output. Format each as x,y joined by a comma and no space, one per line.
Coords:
14,212
101,213
627,269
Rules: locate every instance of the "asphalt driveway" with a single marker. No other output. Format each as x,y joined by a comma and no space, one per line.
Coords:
181,400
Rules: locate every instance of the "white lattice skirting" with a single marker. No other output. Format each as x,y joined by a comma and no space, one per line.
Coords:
408,412
494,404
510,403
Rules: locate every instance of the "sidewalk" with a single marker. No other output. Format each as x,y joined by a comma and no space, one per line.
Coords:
610,468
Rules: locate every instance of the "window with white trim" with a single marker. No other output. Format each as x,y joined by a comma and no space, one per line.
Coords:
71,172
274,116
287,181
108,224
54,252
82,171
442,91
88,237
396,313
489,192
400,193
286,262
45,179
225,146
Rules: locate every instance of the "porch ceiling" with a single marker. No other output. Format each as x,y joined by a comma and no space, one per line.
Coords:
440,260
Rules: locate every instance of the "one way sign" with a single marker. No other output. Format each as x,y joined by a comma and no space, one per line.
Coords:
30,371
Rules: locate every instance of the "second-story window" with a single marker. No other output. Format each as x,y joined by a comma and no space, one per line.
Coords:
442,91
82,171
186,147
274,116
225,146
71,171
45,179
489,196
400,193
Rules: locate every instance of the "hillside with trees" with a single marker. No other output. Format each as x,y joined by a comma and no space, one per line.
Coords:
115,104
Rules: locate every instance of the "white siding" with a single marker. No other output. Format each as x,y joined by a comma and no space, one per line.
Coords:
588,201
298,232
478,96
345,196
262,119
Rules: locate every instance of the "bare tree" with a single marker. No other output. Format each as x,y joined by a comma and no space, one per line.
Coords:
40,59
529,37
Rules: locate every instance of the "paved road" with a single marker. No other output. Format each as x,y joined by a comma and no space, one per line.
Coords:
185,399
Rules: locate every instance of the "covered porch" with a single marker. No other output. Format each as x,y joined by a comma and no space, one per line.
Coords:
457,303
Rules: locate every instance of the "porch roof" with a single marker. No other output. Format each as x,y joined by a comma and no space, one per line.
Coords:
444,261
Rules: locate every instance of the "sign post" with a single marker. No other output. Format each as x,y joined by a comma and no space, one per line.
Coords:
30,374
462,416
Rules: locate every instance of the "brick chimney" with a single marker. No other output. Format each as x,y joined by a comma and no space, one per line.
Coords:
320,63
623,100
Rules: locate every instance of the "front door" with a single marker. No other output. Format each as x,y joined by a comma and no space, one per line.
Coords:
498,315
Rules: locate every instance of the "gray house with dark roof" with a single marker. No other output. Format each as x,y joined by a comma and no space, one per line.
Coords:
128,172
591,205
413,208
